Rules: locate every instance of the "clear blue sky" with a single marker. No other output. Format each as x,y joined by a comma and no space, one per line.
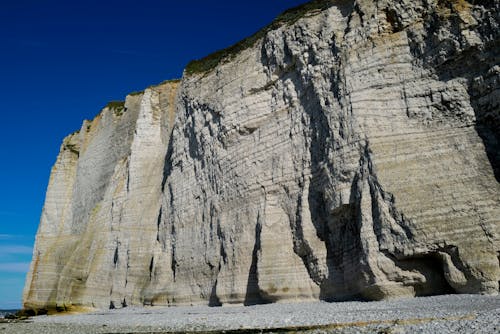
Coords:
62,61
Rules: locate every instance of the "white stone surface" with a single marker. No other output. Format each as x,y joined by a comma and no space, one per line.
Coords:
350,154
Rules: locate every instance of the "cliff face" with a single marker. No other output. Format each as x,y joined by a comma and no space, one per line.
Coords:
352,152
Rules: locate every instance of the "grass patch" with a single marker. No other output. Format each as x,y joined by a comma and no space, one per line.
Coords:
288,17
115,105
139,92
118,107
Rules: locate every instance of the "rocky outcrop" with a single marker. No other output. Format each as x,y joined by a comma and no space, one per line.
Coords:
349,150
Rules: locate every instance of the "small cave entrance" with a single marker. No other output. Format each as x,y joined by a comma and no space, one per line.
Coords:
431,267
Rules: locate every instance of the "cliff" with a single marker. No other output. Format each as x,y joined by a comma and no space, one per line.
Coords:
348,150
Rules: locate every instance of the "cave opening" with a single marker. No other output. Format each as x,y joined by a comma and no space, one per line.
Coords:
431,267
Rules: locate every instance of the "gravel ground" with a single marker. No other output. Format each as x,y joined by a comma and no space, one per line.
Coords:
439,314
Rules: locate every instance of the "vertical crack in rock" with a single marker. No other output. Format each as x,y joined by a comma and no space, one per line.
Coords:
173,261
222,240
127,267
253,295
115,256
158,223
167,170
214,299
151,266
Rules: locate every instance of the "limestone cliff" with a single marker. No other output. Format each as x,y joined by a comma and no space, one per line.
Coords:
348,150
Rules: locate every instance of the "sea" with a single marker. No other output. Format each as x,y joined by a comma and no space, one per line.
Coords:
3,313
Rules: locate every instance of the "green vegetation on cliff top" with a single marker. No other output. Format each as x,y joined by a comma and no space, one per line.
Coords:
115,105
118,107
139,92
289,16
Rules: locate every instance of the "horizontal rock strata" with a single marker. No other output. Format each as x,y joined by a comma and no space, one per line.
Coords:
348,153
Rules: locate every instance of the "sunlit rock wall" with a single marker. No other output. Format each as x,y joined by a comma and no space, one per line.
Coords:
350,154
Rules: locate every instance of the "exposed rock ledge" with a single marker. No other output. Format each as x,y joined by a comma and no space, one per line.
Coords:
350,153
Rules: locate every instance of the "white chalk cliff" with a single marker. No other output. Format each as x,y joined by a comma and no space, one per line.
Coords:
348,150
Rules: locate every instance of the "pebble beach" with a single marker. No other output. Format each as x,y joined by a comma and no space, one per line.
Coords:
438,314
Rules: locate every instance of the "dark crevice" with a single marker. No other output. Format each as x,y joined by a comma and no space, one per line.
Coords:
173,264
151,266
214,299
498,257
167,169
128,267
115,257
253,295
128,176
158,223
392,19
361,14
222,239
